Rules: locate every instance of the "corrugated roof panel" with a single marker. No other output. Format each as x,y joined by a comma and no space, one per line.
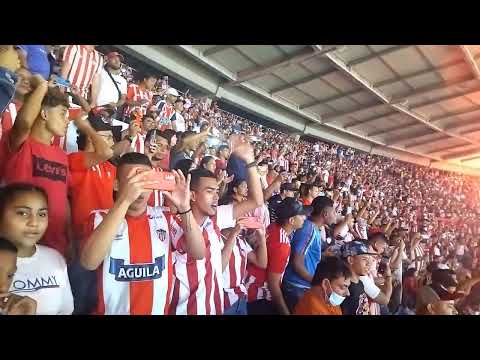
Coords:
233,60
320,109
409,130
430,111
374,71
319,89
353,52
365,98
343,104
427,79
455,72
268,82
318,65
405,61
202,48
341,82
439,55
395,89
296,96
291,49
292,73
262,54
378,48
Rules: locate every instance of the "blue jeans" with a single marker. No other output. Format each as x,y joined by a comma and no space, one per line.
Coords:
84,288
292,294
239,308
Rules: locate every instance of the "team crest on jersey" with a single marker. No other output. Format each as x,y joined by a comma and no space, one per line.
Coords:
162,234
137,272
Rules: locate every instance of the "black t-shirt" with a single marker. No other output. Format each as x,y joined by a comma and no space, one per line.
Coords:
357,302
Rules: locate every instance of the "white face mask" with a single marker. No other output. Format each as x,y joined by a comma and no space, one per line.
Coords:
335,299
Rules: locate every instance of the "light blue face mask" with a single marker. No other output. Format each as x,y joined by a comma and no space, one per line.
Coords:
335,299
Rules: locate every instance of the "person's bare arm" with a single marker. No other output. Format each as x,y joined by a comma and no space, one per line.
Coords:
95,88
228,245
386,290
28,112
258,257
274,281
98,244
180,198
298,263
254,200
77,96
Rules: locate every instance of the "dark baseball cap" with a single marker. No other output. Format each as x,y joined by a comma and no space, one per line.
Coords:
287,187
290,207
354,248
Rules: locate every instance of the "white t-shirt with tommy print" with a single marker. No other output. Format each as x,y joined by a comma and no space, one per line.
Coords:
44,278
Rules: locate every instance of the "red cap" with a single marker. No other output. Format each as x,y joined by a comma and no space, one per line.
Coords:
113,54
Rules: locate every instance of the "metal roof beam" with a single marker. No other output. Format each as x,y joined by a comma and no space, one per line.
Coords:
469,59
362,122
397,79
450,115
407,137
470,158
448,148
216,49
461,154
386,131
258,71
426,142
400,108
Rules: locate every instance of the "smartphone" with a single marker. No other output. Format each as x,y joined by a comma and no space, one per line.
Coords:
166,180
252,222
59,81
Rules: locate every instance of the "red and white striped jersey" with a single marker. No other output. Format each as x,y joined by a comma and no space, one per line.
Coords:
198,284
9,116
278,252
85,64
136,93
166,113
136,276
138,143
234,275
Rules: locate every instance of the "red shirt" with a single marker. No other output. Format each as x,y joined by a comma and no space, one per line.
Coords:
8,117
306,202
45,166
90,189
278,250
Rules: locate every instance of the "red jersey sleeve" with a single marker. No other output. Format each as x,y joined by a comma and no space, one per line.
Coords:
130,92
95,218
278,255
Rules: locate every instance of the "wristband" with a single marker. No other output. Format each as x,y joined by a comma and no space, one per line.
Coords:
185,212
252,164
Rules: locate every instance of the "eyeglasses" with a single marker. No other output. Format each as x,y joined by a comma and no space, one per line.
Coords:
109,137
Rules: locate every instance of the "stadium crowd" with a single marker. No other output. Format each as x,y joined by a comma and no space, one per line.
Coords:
125,196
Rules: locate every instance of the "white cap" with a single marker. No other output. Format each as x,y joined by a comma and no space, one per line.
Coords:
172,91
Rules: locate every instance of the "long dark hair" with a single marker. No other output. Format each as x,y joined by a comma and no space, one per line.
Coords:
228,197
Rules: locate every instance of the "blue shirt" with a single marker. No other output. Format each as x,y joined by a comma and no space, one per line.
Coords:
237,167
37,59
305,241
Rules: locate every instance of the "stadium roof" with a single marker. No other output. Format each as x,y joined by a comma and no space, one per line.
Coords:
420,101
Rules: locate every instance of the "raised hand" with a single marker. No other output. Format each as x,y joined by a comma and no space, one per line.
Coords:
136,185
180,197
